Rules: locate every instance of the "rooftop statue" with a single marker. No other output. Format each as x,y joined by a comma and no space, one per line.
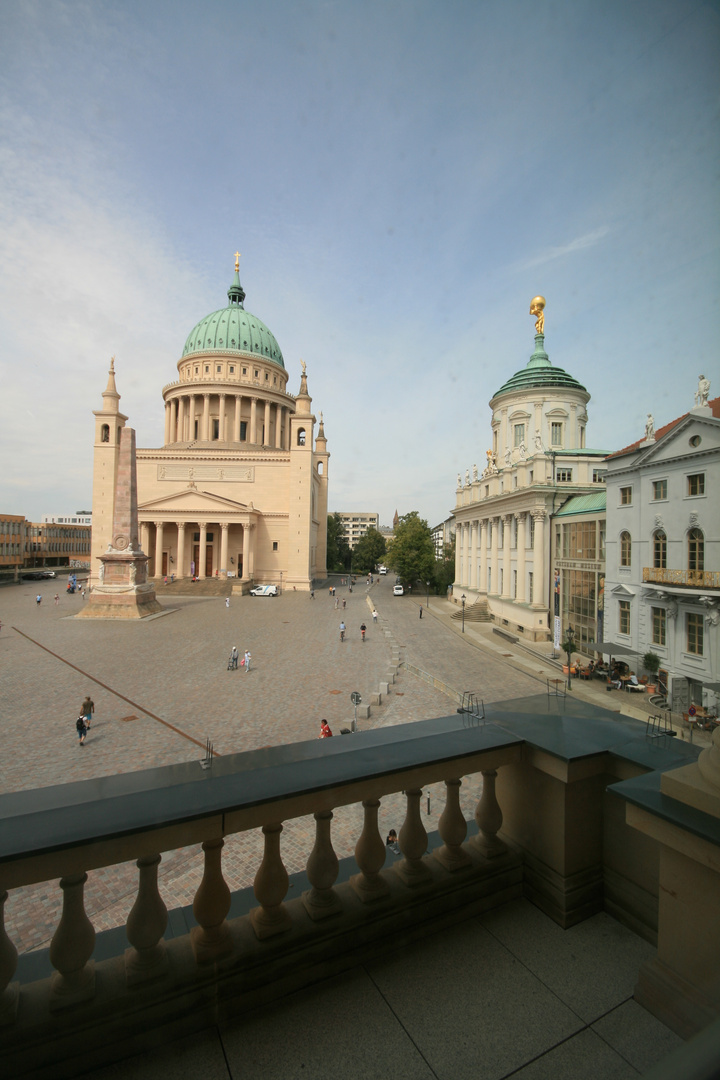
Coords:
703,391
537,306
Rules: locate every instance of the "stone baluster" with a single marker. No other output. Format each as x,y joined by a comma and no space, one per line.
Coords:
370,856
322,872
453,830
9,992
146,925
270,887
71,948
413,843
211,939
489,819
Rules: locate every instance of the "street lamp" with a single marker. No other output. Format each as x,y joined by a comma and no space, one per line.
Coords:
427,604
462,600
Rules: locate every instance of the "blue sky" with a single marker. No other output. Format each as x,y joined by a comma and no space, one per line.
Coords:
401,179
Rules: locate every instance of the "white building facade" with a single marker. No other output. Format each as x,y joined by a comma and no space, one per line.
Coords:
662,587
538,459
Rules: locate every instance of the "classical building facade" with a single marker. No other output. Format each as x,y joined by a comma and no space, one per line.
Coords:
239,488
663,552
537,460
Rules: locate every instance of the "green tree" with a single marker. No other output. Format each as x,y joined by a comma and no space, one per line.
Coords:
369,551
338,549
445,569
412,553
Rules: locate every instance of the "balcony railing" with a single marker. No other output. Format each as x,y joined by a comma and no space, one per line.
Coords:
551,769
697,579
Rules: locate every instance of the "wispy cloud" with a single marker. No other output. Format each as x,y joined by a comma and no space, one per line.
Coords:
580,243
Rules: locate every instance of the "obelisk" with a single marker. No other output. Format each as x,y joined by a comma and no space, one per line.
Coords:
124,591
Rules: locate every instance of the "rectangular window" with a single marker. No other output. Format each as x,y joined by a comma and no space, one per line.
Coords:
696,484
501,582
624,606
275,545
518,434
625,496
514,583
659,489
556,434
218,368
232,369
598,476
694,627
243,430
659,626
563,476
530,586
601,552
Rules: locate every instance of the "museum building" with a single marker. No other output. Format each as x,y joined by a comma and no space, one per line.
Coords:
239,488
537,461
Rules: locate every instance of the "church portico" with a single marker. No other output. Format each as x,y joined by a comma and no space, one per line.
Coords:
203,543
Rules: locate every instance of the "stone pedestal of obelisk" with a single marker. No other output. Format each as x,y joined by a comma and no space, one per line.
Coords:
124,591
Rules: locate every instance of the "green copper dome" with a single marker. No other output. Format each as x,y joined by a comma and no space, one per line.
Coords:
540,372
232,329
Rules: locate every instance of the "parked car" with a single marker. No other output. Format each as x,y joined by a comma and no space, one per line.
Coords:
398,590
38,575
264,590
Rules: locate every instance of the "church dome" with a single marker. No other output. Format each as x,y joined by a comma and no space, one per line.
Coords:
539,372
234,330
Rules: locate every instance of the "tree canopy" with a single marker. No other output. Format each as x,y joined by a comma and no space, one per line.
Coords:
412,553
338,549
369,551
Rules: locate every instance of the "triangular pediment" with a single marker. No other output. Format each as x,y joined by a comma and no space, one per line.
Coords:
677,441
193,501
622,590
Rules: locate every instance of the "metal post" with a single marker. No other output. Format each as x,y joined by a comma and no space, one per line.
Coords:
462,599
428,594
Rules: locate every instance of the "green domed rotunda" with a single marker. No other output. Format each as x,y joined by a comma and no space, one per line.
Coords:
232,329
539,373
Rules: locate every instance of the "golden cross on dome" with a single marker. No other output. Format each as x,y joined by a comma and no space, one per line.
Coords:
237,260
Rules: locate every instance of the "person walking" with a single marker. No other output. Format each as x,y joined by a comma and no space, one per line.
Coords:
312,594
246,660
421,611
57,599
38,599
227,601
342,631
234,656
363,628
343,603
325,732
81,726
87,709
374,615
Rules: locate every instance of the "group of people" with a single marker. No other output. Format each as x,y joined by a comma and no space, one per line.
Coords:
235,657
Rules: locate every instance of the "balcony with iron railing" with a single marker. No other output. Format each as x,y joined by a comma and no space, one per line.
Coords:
570,816
694,579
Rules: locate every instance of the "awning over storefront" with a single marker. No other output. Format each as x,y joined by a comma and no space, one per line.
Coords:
609,648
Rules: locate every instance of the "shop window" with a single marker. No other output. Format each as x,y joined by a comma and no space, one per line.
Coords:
625,549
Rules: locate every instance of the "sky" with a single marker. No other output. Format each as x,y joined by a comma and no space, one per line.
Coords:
401,178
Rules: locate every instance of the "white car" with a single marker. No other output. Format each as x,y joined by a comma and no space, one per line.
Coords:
264,590
382,570
398,590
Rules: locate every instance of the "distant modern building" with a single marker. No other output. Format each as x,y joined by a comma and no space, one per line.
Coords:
13,537
57,545
537,460
443,535
356,523
80,517
662,585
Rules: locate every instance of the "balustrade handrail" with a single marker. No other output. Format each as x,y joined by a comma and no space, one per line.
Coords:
72,828
702,579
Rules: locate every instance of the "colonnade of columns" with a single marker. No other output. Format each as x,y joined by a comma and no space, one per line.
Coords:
485,547
182,413
171,538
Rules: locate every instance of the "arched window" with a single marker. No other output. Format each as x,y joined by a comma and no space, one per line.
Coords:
696,550
105,433
659,549
321,468
625,549
301,436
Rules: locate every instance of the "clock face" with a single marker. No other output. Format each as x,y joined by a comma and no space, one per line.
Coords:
120,542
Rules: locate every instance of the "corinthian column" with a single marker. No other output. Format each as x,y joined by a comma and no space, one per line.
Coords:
238,413
483,539
521,559
507,522
206,418
202,553
278,426
181,550
494,523
474,529
223,548
221,419
266,432
539,571
253,420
